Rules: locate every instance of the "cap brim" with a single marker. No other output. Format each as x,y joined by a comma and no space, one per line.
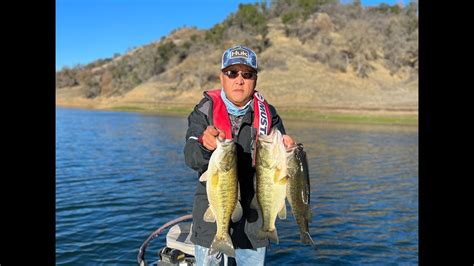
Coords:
238,61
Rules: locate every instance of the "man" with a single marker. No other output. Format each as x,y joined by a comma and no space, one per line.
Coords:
239,112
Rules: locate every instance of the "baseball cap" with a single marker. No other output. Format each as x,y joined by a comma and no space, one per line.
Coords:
239,55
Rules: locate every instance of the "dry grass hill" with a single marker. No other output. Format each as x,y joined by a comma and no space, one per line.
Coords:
330,60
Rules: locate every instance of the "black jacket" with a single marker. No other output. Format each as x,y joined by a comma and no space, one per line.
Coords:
243,232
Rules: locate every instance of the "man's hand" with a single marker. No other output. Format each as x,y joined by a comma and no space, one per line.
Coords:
209,137
288,141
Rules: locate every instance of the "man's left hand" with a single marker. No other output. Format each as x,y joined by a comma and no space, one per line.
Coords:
288,141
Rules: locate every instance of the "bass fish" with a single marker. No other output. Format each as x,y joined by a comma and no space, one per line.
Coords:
222,192
271,182
298,191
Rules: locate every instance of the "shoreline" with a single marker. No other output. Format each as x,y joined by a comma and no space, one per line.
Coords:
373,116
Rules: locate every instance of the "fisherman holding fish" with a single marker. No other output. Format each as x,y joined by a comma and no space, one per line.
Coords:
221,145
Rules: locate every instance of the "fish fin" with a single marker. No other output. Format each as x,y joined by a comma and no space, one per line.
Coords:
223,245
254,203
271,235
282,212
253,211
306,239
276,176
203,177
283,180
214,179
281,175
209,216
237,213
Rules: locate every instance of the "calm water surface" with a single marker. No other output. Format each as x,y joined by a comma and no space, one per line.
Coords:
119,176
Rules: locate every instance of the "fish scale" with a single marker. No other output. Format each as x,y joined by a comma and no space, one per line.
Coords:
222,193
271,182
298,191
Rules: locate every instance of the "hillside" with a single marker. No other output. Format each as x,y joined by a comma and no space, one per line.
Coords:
329,57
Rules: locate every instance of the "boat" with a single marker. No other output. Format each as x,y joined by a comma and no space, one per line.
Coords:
179,249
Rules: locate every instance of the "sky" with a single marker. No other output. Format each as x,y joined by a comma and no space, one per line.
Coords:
87,30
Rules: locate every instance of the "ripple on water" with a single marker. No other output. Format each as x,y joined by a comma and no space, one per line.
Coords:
120,176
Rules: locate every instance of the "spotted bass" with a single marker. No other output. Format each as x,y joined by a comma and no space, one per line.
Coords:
222,192
298,191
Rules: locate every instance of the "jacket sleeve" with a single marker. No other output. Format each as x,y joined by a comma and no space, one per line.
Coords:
196,156
276,120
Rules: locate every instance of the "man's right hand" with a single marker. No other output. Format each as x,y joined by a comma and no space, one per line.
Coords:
209,137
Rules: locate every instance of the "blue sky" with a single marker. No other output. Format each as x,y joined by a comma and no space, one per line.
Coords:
87,30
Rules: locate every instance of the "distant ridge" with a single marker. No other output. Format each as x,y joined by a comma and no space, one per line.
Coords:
312,54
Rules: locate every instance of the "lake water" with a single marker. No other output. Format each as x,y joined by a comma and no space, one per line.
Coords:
119,176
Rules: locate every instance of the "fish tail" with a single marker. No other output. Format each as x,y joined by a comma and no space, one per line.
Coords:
223,245
271,235
306,239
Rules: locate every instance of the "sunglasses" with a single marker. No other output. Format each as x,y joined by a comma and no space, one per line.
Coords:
246,75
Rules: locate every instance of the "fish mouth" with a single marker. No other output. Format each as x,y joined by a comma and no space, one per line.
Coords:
227,145
274,136
225,142
227,157
267,139
228,141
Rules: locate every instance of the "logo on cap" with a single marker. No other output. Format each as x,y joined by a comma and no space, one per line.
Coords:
239,53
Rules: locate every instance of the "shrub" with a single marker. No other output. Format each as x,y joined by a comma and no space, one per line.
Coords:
289,17
251,18
215,34
166,50
66,77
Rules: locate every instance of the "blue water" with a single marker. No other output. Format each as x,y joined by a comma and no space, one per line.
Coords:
119,176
